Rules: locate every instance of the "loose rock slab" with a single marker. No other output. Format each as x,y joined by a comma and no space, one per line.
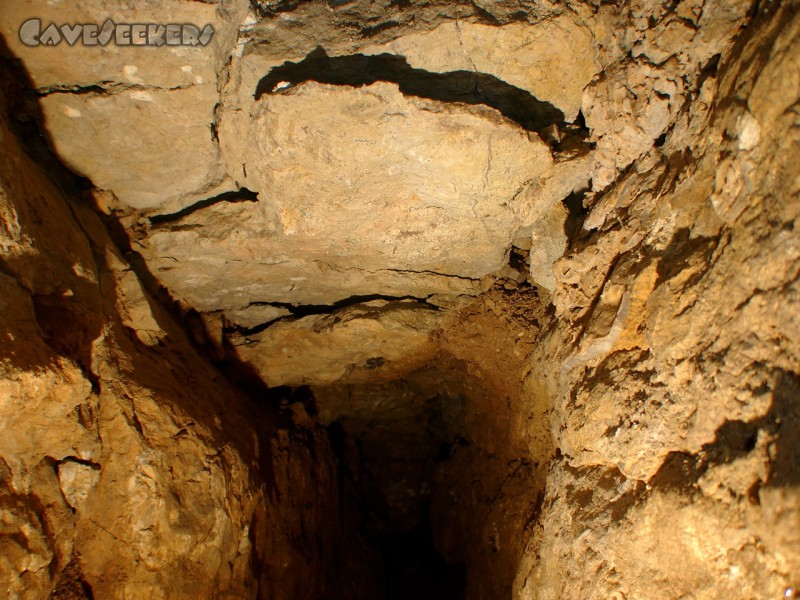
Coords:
136,120
361,191
367,342
152,147
531,58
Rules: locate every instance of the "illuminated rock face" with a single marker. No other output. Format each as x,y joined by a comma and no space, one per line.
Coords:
360,191
388,298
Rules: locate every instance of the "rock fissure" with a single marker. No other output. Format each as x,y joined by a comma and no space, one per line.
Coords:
240,195
105,88
300,311
464,87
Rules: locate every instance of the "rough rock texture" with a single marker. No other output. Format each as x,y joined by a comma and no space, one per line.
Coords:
355,185
129,467
375,341
538,262
677,336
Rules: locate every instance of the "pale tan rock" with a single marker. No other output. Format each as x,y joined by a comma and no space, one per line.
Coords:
625,119
288,30
404,190
237,103
515,10
374,341
361,191
255,315
163,67
151,107
76,481
621,109
548,243
93,133
530,57
133,304
704,537
543,231
258,266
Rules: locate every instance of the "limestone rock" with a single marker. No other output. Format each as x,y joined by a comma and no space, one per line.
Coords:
136,98
625,122
680,310
548,243
313,24
530,57
431,168
134,124
77,480
618,520
374,341
361,191
133,303
575,441
621,108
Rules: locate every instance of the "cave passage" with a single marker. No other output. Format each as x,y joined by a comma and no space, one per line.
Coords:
390,466
466,87
414,569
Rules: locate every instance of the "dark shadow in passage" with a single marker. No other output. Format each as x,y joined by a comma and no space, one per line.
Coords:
241,195
466,87
413,568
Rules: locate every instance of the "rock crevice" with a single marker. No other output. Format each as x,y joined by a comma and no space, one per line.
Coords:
466,87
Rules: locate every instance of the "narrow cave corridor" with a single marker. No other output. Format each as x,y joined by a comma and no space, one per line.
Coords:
432,485
412,475
399,299
388,468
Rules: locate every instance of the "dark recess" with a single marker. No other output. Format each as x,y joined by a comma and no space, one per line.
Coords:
241,195
519,259
576,214
415,570
267,8
72,585
404,563
466,87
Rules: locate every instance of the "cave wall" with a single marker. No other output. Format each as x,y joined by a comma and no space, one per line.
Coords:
604,316
129,466
673,362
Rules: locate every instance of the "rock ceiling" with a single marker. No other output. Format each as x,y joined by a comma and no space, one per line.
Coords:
324,155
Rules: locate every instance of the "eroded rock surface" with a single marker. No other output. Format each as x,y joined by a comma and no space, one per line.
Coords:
677,355
129,468
538,263
360,191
